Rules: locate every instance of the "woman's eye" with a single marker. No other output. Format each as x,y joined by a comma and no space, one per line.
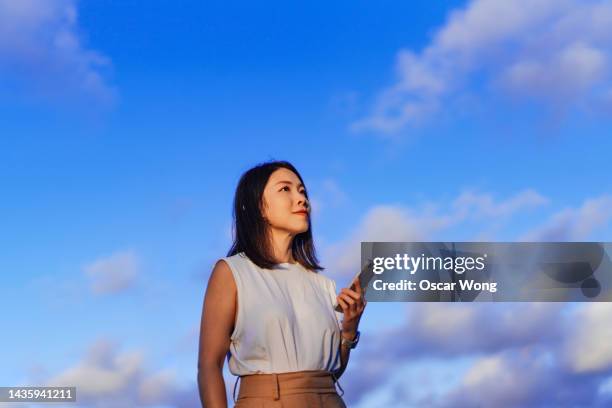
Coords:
286,188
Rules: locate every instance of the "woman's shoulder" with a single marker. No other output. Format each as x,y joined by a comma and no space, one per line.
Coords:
236,259
241,263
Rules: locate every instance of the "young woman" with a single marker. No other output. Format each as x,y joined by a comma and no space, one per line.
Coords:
269,310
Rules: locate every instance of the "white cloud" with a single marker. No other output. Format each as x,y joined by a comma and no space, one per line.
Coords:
41,47
452,327
114,273
512,339
588,347
520,353
555,51
577,67
448,332
499,380
399,223
381,223
484,205
574,224
102,371
157,386
106,377
440,322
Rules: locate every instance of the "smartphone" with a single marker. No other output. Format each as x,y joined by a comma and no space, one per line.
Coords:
364,276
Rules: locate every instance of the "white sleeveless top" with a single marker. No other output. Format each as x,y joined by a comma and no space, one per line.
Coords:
285,320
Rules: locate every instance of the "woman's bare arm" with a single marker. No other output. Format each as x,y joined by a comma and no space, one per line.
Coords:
345,353
218,314
353,304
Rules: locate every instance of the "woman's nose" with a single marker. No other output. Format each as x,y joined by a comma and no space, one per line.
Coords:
303,201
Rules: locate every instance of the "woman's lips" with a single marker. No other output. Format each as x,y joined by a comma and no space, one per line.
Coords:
301,213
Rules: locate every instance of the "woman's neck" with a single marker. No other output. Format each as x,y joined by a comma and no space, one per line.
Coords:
281,246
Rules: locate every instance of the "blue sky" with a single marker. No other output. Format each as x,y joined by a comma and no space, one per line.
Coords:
124,129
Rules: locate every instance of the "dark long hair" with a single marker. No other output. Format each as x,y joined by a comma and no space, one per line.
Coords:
250,228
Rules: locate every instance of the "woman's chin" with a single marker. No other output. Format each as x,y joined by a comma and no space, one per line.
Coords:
300,229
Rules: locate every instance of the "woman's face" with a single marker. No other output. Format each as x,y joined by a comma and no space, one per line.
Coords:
285,201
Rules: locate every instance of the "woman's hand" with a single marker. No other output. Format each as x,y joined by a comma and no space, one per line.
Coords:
352,304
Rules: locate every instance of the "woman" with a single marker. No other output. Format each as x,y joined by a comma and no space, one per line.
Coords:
268,309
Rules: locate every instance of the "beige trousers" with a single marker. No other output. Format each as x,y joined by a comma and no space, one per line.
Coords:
301,389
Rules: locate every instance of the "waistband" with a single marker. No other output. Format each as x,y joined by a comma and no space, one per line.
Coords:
276,385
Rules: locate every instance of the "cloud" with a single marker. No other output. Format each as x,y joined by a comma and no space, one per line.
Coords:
381,223
448,331
574,224
113,274
107,377
42,49
588,348
525,354
555,52
498,380
484,205
102,371
443,329
527,378
400,223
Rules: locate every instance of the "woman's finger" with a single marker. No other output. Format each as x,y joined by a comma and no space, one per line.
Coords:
351,293
351,309
343,304
348,299
354,307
